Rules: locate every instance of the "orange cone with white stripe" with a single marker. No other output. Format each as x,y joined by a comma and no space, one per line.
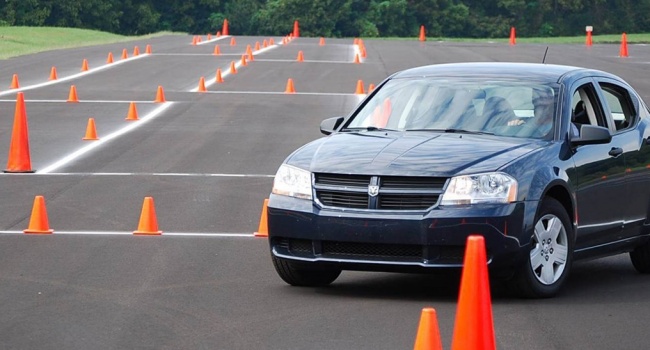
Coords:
38,222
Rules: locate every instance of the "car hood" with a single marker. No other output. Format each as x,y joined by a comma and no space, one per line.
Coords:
409,153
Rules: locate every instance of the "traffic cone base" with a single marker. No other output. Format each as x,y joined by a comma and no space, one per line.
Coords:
263,228
19,158
428,336
148,224
38,222
91,132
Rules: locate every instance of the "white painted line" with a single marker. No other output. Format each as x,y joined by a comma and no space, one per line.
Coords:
306,61
80,152
357,51
74,76
226,71
80,101
283,93
145,174
126,233
213,39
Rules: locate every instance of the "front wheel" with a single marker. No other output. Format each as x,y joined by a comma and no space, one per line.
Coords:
640,257
297,275
550,255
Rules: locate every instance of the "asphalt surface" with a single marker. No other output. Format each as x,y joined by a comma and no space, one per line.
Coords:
208,160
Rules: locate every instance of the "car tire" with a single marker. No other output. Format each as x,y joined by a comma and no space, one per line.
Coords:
547,265
640,257
300,276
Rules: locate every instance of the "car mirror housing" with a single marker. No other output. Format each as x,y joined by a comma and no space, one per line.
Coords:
591,135
329,125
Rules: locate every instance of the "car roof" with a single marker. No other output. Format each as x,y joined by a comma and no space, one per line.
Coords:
507,70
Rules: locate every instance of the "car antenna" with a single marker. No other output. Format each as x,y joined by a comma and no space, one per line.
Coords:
545,52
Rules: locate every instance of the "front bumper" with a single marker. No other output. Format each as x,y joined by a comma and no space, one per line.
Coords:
394,241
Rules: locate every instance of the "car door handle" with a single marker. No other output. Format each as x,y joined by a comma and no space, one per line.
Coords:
615,151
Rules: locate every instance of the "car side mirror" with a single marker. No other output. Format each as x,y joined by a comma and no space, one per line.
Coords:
329,125
592,135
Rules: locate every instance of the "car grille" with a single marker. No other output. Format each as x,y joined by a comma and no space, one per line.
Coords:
394,192
371,250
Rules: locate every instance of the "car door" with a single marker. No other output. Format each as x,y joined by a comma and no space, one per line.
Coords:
621,106
600,187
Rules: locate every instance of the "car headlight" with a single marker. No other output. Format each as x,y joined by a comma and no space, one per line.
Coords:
480,188
293,182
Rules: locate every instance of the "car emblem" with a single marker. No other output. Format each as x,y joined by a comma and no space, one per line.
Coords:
373,190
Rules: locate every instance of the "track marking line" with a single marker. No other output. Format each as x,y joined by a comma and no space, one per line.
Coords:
82,101
127,233
146,174
131,126
212,40
74,76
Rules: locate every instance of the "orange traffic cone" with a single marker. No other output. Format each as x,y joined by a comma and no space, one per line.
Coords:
257,46
14,82
136,51
147,49
296,29
263,229
219,78
513,38
301,57
202,85
589,40
38,222
243,60
233,42
428,336
91,132
265,43
233,68
474,326
218,33
133,112
623,51
356,41
195,40
321,42
53,75
371,87
224,28
19,159
109,59
271,41
72,96
357,59
84,65
217,50
160,95
125,54
198,39
290,88
249,53
422,36
359,90
209,36
148,222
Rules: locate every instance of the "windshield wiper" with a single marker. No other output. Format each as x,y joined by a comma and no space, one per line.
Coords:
367,128
455,131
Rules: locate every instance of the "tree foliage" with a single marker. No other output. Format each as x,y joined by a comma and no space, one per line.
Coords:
337,18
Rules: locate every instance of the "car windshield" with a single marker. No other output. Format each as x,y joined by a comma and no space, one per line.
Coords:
499,107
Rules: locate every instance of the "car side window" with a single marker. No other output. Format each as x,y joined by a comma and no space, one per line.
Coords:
585,109
620,106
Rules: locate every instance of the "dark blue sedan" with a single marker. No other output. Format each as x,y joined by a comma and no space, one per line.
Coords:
549,163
